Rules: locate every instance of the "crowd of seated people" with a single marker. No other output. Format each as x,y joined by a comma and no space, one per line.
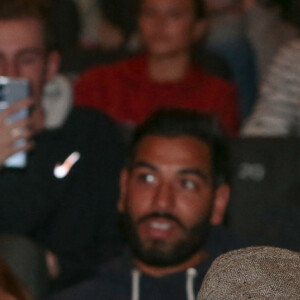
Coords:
240,42
202,64
164,75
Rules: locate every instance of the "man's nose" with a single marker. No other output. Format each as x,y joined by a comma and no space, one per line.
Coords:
164,197
158,23
161,22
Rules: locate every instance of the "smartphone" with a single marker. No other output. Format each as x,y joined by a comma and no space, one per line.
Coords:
11,91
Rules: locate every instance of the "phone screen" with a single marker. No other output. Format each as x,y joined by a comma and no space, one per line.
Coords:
11,91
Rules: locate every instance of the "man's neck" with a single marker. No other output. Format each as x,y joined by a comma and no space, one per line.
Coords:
168,68
155,271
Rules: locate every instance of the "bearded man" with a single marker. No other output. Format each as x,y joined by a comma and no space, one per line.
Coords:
174,193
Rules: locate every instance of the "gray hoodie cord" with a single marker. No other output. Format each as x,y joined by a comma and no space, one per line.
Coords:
191,273
135,284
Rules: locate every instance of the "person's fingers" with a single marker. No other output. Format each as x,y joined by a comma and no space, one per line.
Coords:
20,133
22,123
26,146
16,132
12,148
14,108
10,144
13,132
29,144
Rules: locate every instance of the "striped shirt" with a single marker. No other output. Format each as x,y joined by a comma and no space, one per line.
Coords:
277,112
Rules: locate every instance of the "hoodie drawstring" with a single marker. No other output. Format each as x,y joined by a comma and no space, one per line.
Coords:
135,284
191,273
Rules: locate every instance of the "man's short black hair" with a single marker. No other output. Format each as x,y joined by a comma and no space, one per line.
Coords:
30,9
198,5
178,122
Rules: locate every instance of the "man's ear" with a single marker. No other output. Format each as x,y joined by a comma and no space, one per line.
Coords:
222,194
200,30
123,190
53,62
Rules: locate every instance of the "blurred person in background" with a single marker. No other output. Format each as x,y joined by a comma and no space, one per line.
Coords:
269,24
71,214
277,111
105,24
247,34
227,37
165,75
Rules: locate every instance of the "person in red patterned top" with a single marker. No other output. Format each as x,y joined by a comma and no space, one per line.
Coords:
164,76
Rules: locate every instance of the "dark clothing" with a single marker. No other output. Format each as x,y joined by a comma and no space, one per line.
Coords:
65,23
121,13
211,62
126,92
26,260
115,281
75,216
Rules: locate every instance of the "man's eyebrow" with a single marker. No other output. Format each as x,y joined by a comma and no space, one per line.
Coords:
143,164
192,171
35,50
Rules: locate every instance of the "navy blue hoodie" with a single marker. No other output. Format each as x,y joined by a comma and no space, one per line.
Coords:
120,281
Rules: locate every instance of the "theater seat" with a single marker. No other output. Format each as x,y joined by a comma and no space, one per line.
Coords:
265,201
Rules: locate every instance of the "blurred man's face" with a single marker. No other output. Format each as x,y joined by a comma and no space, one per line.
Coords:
167,27
167,199
23,53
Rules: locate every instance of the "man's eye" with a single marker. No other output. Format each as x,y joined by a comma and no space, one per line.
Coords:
149,178
29,59
188,184
147,13
175,14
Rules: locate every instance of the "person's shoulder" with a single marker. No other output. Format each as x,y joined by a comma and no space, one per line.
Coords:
288,55
86,123
113,69
221,83
112,282
120,264
293,45
84,115
213,81
92,289
222,239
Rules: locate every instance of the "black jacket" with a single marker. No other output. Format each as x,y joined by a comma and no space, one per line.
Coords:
75,216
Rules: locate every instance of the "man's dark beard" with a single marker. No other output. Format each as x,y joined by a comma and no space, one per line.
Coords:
193,241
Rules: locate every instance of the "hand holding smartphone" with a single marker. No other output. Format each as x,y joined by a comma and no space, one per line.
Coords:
13,90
